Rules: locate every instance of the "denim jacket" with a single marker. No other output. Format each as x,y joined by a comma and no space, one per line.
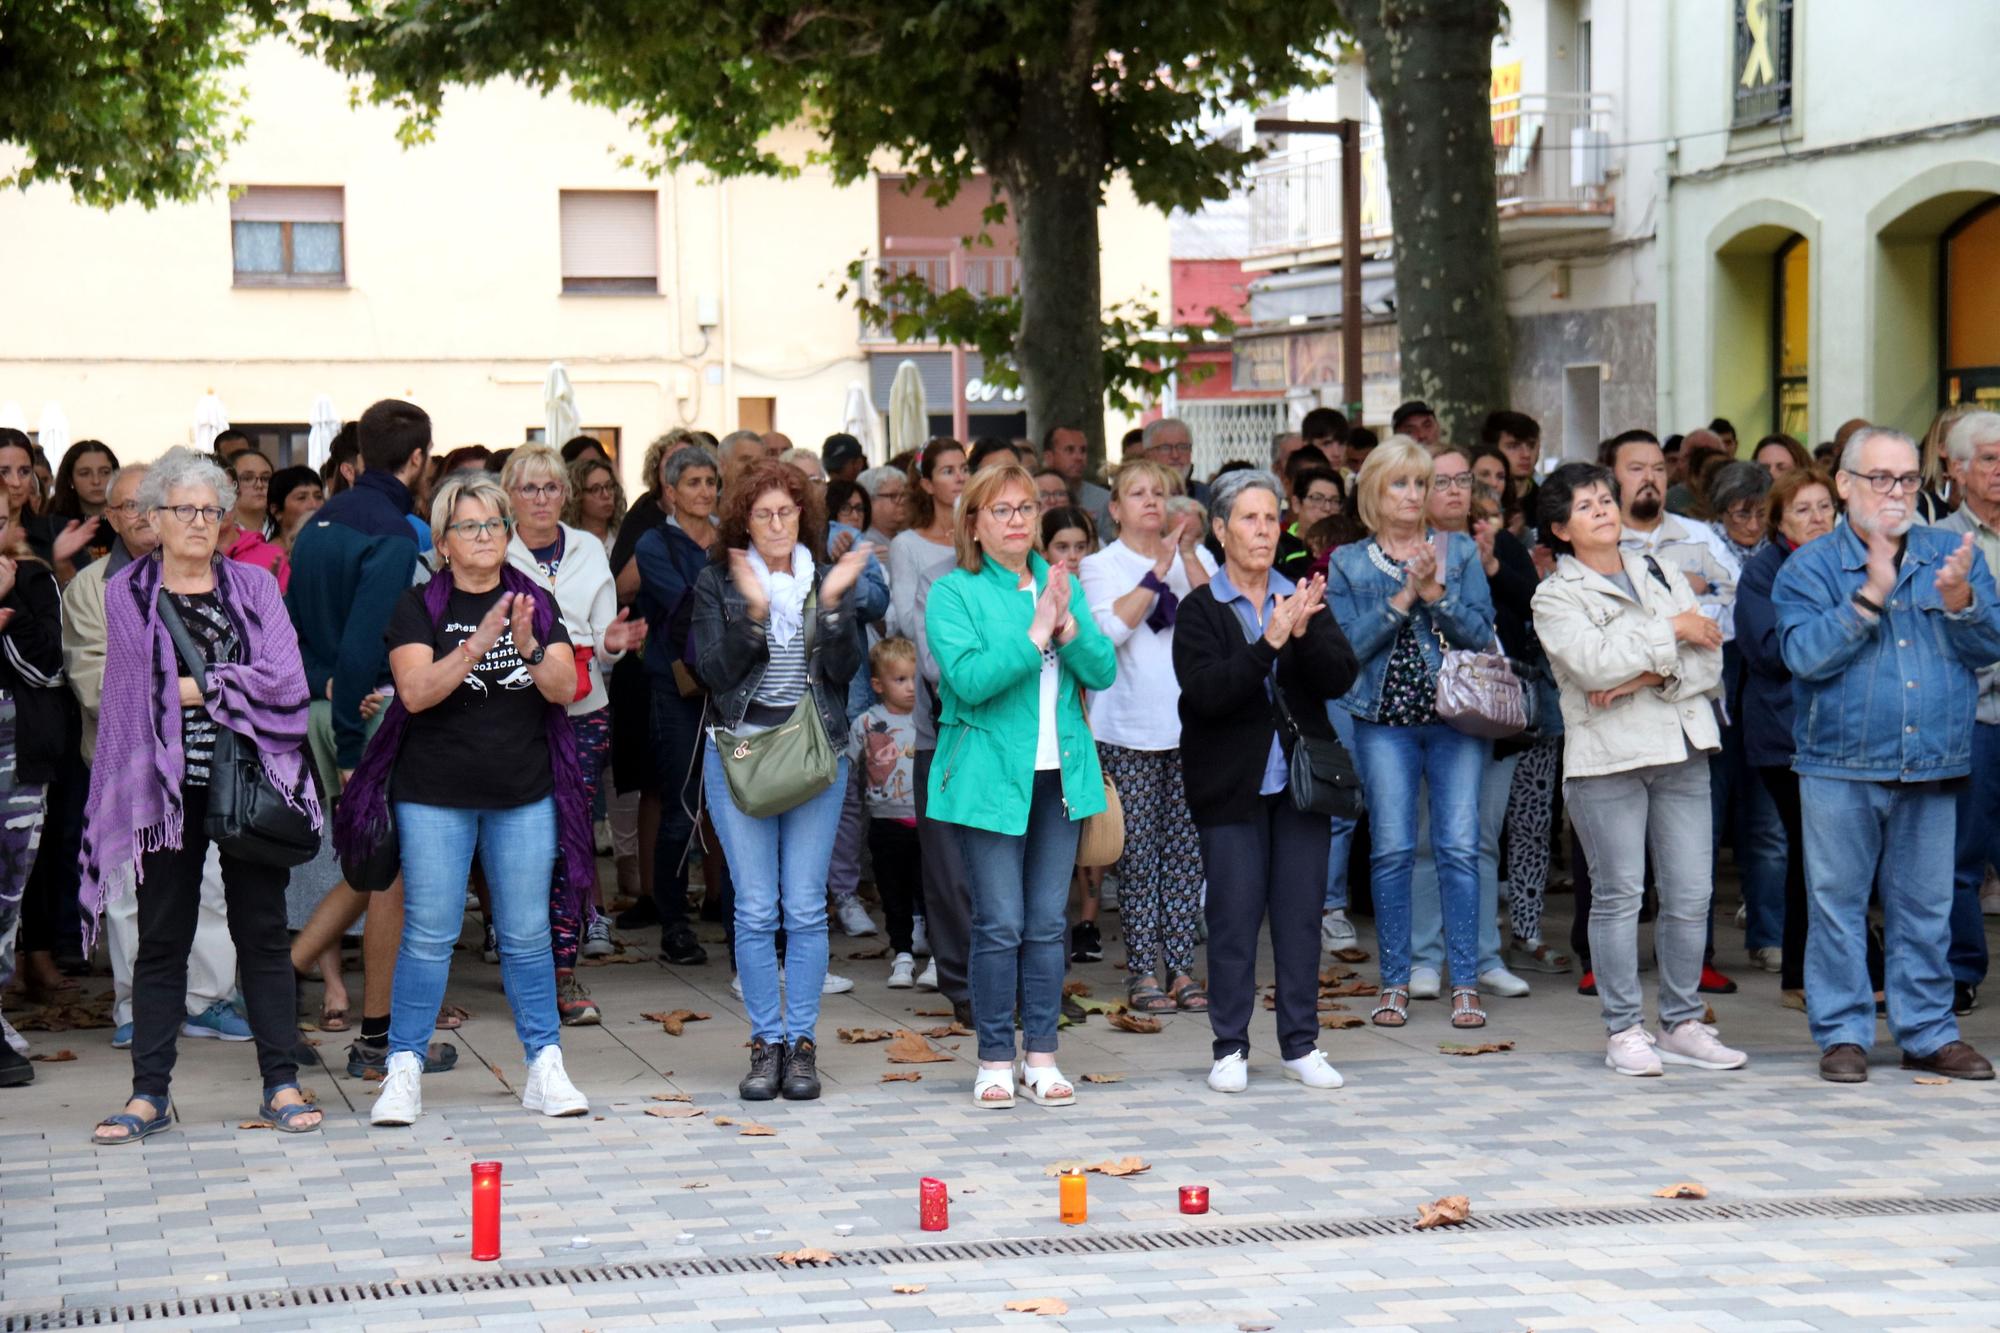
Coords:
1358,590
1883,698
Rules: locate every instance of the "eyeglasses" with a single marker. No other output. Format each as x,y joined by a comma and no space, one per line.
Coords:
1882,483
255,481
1318,501
601,491
1008,513
1464,481
213,514
767,517
128,508
547,490
474,529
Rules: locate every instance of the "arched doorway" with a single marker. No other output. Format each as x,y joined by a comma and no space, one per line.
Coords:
1919,228
1969,367
1791,327
1761,322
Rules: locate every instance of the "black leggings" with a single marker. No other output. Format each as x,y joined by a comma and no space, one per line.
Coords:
898,877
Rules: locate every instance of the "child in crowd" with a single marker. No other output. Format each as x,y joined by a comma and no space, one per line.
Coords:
884,745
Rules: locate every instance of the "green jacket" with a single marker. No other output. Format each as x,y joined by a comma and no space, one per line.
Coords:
990,684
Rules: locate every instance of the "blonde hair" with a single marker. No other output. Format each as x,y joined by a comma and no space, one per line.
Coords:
1396,457
1138,469
984,488
895,648
538,459
480,487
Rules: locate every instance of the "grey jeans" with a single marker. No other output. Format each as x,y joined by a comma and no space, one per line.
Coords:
1617,817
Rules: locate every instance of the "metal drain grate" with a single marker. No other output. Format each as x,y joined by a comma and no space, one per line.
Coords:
333,1295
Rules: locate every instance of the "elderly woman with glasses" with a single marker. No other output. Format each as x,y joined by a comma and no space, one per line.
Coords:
158,727
573,567
475,754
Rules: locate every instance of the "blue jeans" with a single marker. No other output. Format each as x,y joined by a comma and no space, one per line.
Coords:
778,864
1896,837
517,849
1394,763
1341,849
1496,784
1978,846
1738,800
1020,894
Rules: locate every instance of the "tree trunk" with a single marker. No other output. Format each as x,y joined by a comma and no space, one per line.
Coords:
1430,65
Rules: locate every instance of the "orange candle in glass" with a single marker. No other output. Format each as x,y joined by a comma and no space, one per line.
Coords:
1072,1198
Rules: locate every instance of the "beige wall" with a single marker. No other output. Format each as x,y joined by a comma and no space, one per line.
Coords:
453,295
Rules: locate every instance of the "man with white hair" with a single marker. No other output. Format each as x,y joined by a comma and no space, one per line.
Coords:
1972,453
1170,443
739,451
1884,624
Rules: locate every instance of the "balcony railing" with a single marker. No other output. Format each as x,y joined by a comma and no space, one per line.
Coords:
1551,156
982,275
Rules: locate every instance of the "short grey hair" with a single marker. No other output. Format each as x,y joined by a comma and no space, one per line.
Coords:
1850,457
1227,489
467,484
736,437
871,480
1278,443
135,471
1736,482
1154,429
686,459
1969,432
181,466
806,461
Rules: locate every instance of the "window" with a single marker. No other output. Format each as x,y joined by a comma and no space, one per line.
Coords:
282,443
610,242
289,236
1763,91
1971,325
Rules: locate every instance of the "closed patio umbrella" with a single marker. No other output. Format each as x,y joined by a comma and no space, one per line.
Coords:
211,418
859,418
909,421
562,420
324,425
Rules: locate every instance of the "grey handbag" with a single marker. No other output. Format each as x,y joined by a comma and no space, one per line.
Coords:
1478,692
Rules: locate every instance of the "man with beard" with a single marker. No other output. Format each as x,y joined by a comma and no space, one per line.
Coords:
1641,468
1884,626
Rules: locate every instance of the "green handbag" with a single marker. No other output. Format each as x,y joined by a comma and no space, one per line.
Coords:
770,772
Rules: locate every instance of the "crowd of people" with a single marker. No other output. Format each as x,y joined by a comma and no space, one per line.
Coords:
248,712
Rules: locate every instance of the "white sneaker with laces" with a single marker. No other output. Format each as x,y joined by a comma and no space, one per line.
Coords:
1631,1052
835,984
1425,983
401,1100
1499,981
1768,960
736,986
902,972
1231,1073
1336,931
927,979
549,1089
1693,1042
1313,1070
920,939
597,942
854,918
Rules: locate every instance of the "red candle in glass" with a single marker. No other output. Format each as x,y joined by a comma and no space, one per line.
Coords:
1194,1198
933,1205
486,1210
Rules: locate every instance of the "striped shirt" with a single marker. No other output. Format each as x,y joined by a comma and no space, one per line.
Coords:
213,633
784,680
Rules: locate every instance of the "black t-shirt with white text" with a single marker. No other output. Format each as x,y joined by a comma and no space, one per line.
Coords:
485,746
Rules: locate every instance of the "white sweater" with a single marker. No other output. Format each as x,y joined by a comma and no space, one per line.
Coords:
587,598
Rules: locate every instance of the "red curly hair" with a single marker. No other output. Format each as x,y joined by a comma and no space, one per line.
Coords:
760,480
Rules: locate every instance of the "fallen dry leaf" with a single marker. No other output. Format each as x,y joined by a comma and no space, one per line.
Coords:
1076,988
752,1130
675,1111
1103,1078
854,1035
61,1057
910,1049
947,1030
1932,1081
1341,1021
671,1097
71,1012
1483,1048
1446,1212
808,1255
1708,1014
901,1076
675,1023
1126,1021
909,1288
1351,955
933,1013
255,1124
1687,1189
372,1075
308,1027
695,1185
1044,1305
1348,988
1254,1328
1124,1166
1336,974
864,954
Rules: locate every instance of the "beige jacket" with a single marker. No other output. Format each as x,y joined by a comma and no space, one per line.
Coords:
83,644
1597,637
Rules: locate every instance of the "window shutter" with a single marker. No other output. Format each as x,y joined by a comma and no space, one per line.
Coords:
289,203
610,234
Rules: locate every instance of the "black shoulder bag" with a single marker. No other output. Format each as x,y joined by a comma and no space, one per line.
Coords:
248,817
1321,776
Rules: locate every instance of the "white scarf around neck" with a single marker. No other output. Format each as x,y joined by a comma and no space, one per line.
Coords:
786,591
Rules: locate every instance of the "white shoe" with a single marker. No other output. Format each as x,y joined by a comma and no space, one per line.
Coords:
902,972
15,1039
549,1089
1768,960
927,979
1693,1042
1425,983
401,1100
1231,1073
1499,981
1107,892
736,986
601,836
835,984
854,918
597,942
920,939
1631,1052
1336,931
1312,1070
1743,916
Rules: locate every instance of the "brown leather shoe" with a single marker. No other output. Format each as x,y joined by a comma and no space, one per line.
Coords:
1954,1059
1845,1063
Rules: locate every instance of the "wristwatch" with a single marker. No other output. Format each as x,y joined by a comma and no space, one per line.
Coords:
534,659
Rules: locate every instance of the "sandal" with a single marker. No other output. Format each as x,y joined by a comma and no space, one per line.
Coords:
283,1118
1189,995
1471,1016
134,1127
332,1019
451,1017
1144,996
1395,1006
1034,1078
988,1079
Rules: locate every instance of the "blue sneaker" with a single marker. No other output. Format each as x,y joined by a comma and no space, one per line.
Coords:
221,1020
121,1038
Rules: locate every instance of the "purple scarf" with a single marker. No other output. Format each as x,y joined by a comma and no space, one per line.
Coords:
137,773
361,817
